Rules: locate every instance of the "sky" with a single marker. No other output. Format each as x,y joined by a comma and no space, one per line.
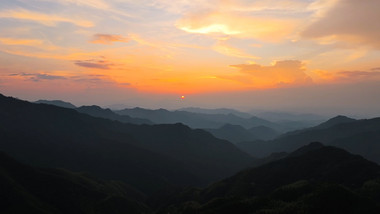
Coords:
318,56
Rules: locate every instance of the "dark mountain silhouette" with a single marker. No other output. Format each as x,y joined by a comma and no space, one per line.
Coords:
217,111
147,157
97,111
25,189
199,120
59,103
236,133
313,179
358,137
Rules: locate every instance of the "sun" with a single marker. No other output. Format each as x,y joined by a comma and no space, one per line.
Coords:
182,97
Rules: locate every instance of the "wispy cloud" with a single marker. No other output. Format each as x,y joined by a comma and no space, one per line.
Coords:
93,63
107,39
44,18
222,47
353,22
26,42
36,77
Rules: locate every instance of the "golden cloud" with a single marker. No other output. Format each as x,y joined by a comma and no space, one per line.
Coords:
282,73
232,24
26,42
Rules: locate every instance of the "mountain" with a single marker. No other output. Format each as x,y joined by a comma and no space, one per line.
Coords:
26,189
148,157
232,133
216,111
197,120
237,133
97,111
278,116
356,136
340,119
59,103
313,179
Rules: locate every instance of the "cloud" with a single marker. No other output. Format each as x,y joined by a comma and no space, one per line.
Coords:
358,75
353,22
237,25
45,19
92,63
99,4
107,39
222,47
26,42
349,76
282,73
36,77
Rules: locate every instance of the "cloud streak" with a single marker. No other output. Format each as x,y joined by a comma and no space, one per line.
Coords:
107,39
92,63
43,18
26,42
36,77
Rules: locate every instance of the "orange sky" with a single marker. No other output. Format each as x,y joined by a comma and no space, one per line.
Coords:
130,50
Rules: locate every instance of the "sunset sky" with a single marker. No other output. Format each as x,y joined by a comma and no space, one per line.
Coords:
319,56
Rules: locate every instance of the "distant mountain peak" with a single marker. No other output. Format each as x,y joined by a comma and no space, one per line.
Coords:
307,148
59,103
335,121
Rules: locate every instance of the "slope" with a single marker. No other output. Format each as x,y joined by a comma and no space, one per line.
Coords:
313,179
25,189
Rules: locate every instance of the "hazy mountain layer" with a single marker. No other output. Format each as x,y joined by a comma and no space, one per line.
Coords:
200,120
236,133
357,136
97,111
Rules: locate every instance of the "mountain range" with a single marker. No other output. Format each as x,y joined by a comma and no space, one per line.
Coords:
148,157
93,160
356,136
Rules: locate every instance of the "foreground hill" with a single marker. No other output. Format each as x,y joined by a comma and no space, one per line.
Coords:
313,179
357,136
25,189
147,157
